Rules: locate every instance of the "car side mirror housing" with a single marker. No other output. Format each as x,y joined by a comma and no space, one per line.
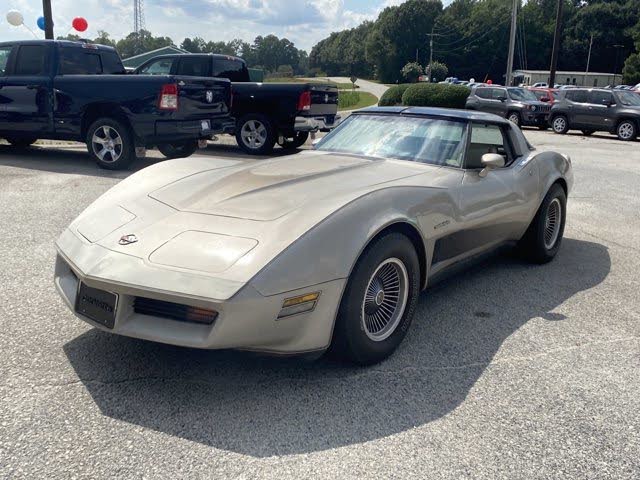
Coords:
491,161
502,99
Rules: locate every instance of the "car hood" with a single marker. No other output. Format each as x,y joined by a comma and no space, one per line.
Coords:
271,189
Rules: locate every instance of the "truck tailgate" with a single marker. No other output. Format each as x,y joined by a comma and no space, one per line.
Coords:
201,97
324,100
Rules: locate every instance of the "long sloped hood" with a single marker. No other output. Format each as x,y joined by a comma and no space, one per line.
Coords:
268,190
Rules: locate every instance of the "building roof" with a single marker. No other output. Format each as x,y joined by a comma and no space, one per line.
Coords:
563,72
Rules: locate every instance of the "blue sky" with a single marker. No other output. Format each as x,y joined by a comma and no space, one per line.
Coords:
304,22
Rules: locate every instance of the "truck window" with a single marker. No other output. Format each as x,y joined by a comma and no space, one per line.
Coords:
159,67
31,60
194,66
111,63
234,70
4,58
76,61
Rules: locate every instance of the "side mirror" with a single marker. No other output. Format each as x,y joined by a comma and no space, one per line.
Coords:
502,99
491,161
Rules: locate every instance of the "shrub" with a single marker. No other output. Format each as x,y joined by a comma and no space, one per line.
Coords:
438,71
411,71
393,96
435,95
347,99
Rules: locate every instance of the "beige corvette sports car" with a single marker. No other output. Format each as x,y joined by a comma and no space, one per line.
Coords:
328,248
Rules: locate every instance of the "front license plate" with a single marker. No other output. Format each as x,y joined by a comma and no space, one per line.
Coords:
205,125
98,305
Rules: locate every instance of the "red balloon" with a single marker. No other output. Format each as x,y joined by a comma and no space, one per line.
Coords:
489,82
79,24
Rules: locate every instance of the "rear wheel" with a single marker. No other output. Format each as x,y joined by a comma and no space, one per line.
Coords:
627,130
111,144
379,301
255,134
560,124
514,117
21,142
179,149
542,240
298,140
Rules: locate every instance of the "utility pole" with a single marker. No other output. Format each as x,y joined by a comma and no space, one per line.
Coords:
431,35
586,73
615,70
512,43
48,19
556,44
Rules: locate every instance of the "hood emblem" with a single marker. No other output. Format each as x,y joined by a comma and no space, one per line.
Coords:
209,96
127,239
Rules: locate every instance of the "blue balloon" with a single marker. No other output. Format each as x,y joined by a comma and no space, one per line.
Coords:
41,23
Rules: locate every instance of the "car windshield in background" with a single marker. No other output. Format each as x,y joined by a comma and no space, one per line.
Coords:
426,140
521,95
629,99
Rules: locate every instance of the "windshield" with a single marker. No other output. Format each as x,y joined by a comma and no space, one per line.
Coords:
521,95
426,140
629,98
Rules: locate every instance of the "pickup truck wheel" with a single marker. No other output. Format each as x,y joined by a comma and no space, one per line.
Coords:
255,134
299,140
111,144
179,149
21,142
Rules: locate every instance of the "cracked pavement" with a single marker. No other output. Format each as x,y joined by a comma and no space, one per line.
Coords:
509,371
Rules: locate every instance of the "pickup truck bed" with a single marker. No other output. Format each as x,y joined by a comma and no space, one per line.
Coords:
45,92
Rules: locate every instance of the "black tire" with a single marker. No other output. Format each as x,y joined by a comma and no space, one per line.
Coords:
299,140
124,152
352,339
560,124
627,130
536,245
21,142
587,133
514,117
543,127
179,149
262,132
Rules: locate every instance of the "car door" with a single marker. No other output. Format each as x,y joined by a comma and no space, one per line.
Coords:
494,208
578,107
25,100
499,100
599,114
5,54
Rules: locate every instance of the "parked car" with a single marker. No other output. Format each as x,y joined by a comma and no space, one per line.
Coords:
326,248
265,113
543,94
517,104
597,109
541,85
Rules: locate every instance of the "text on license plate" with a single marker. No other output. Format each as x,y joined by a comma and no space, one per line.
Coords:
98,305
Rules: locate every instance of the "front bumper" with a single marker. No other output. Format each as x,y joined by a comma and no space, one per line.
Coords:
247,320
323,123
535,118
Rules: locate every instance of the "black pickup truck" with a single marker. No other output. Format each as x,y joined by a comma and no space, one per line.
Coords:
265,113
79,91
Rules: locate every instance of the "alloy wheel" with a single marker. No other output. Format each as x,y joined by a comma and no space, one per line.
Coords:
107,144
625,130
254,134
559,124
552,223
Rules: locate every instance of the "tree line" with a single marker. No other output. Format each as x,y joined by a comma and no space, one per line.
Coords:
471,38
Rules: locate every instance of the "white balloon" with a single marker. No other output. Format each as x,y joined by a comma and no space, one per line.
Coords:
15,18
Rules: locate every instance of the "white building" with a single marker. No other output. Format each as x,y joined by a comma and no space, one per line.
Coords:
581,79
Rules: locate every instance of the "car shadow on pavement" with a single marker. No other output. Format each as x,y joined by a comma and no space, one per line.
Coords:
263,406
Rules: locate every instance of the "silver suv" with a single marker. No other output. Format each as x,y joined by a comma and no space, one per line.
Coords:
517,104
597,109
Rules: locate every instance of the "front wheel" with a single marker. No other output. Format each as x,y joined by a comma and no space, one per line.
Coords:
110,143
21,142
541,242
255,134
379,301
299,139
560,124
179,149
514,117
627,130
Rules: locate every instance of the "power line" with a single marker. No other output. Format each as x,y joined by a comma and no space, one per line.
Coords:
471,42
475,37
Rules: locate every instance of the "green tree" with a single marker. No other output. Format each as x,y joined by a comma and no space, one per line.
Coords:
631,70
437,71
136,43
411,71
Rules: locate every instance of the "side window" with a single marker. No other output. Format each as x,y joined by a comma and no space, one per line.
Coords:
32,60
539,94
578,96
159,67
77,61
4,59
498,93
111,63
194,67
485,138
234,70
483,93
601,98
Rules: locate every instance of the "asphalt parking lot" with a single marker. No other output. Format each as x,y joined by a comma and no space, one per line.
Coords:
509,371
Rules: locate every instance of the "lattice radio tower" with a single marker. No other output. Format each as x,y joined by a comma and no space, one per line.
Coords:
138,15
